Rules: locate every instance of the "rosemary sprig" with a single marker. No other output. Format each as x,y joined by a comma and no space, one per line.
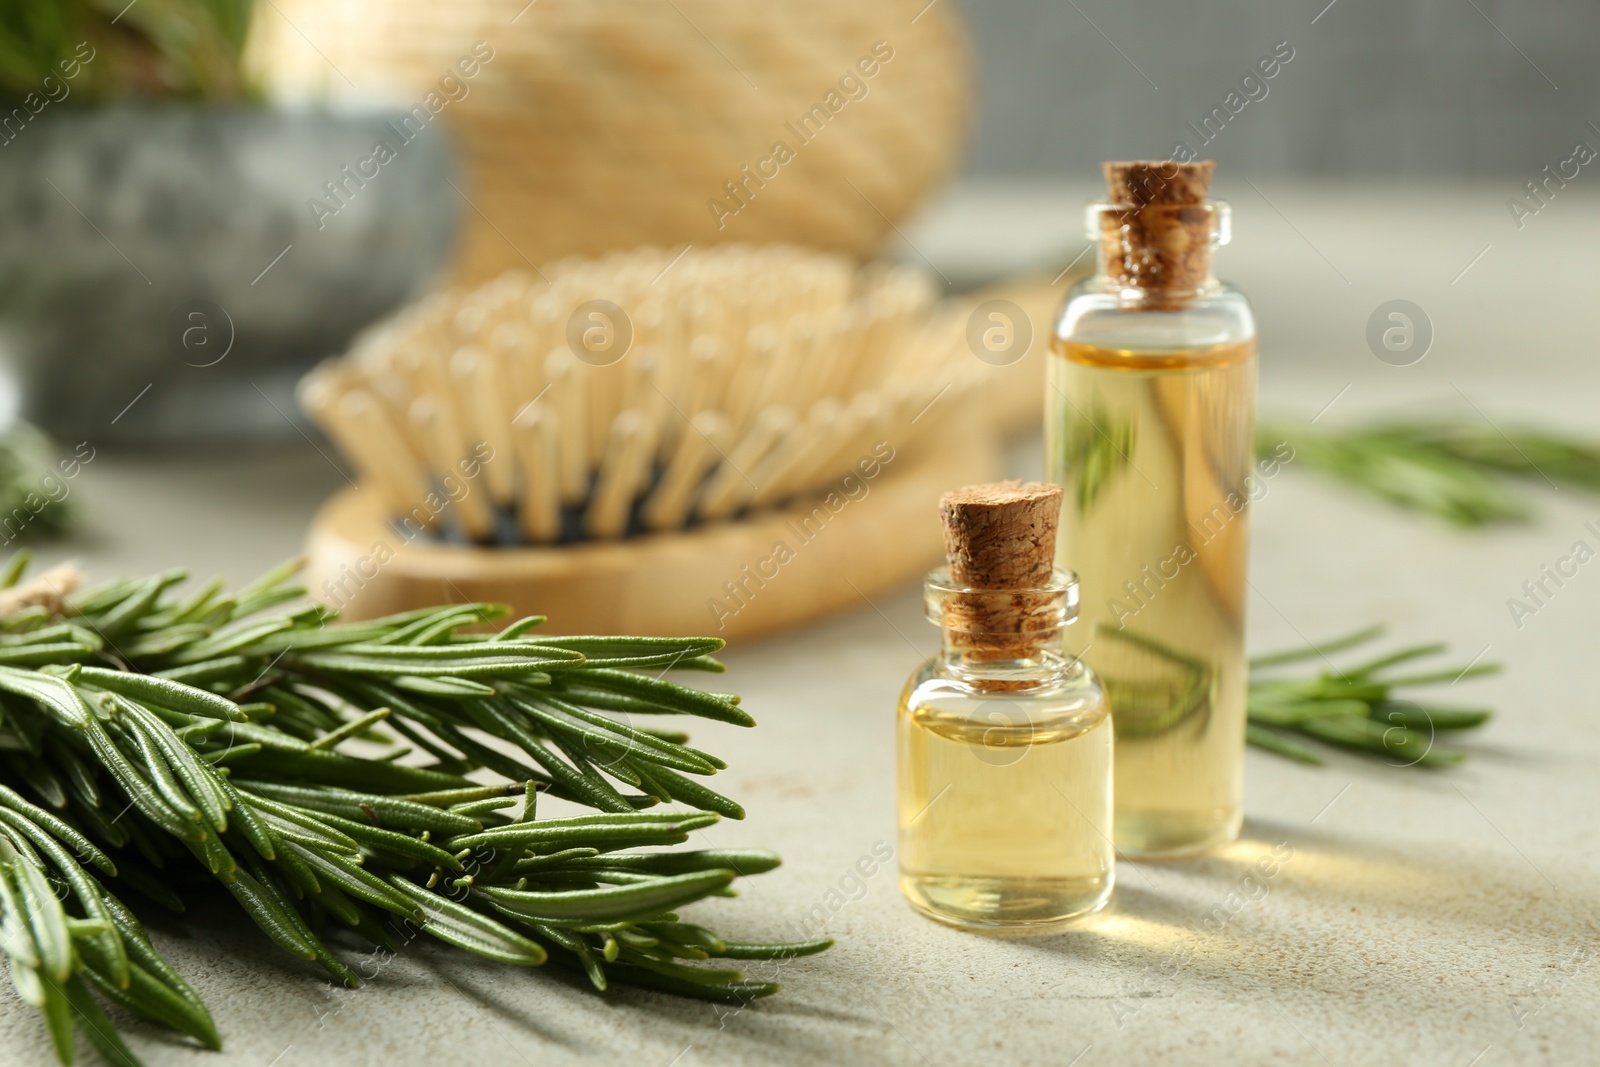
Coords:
1158,698
161,747
1357,707
1455,471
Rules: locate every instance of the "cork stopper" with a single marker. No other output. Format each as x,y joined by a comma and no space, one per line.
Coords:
1144,181
1000,544
1156,235
1002,535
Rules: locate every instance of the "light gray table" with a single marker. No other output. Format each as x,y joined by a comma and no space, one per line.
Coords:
1423,918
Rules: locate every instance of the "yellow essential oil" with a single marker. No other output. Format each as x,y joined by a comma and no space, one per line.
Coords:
1004,744
1150,432
1005,800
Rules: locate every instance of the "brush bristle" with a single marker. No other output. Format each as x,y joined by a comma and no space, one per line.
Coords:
647,390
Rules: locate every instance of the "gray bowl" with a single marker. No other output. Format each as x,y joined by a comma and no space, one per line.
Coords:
167,272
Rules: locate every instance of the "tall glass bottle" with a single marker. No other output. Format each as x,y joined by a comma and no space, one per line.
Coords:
1004,744
1150,420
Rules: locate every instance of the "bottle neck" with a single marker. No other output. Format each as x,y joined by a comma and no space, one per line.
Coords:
1158,254
1038,662
1002,638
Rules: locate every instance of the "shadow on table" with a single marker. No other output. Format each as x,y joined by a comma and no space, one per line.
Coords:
1284,895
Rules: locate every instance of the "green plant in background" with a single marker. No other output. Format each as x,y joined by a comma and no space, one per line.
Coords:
1459,472
152,48
1357,707
34,502
154,748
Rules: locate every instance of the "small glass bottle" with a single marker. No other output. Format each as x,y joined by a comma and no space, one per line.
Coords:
1004,744
1149,428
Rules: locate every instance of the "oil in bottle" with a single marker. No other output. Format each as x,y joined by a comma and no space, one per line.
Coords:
1149,430
1004,743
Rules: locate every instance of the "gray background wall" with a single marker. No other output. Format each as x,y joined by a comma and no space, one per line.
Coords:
1376,87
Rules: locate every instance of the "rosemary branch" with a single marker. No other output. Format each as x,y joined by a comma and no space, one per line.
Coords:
1455,471
156,747
1357,707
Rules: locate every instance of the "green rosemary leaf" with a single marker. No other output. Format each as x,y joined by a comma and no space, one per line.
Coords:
1447,677
350,729
690,936
298,873
378,810
230,755
449,797
626,737
611,904
57,1008
441,625
1405,745
1320,649
149,996
59,829
32,897
520,627
701,663
575,944
661,962
454,661
139,602
38,654
1453,470
593,790
85,889
210,670
617,652
14,567
1431,716
50,693
1355,708
351,878
238,640
391,842
454,688
348,771
198,780
744,861
1273,741
251,826
598,688
100,1031
688,791
316,830
584,831
271,579
459,925
779,950
141,952
483,807
271,912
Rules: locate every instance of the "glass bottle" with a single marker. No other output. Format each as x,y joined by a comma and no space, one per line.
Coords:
1004,764
1149,429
